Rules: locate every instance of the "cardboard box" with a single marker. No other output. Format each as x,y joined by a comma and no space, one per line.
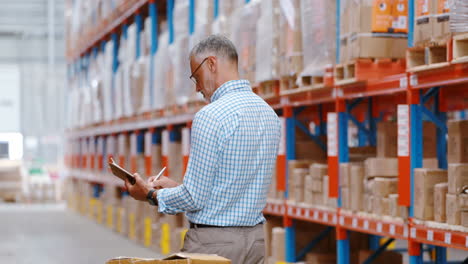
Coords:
307,149
453,211
308,182
317,185
357,186
175,258
377,205
394,208
431,163
463,201
360,46
344,174
317,170
318,199
429,140
277,244
298,196
425,180
457,145
386,257
325,198
386,137
383,187
345,198
320,258
424,20
457,177
381,167
441,26
440,193
464,218
309,197
299,175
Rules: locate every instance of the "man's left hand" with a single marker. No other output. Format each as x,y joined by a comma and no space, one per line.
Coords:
139,190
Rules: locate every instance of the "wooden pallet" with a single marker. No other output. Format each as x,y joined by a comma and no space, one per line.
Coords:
367,69
268,89
427,58
288,83
460,48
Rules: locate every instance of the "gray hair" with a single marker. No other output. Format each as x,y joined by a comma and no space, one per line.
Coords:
215,45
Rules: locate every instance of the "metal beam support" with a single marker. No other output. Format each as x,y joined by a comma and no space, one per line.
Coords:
441,125
441,255
191,21
463,115
360,126
321,129
441,134
153,12
290,232
313,243
353,104
381,249
216,9
338,32
416,149
372,122
139,27
374,242
411,22
429,94
170,20
316,139
299,110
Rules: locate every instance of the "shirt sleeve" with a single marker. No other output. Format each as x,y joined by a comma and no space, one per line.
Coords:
206,142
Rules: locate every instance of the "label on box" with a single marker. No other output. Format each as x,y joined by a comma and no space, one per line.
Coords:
443,7
148,143
403,130
332,132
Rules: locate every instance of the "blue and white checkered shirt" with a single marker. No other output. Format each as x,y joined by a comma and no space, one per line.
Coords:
234,144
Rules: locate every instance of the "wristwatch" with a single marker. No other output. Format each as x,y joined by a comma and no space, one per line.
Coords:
150,198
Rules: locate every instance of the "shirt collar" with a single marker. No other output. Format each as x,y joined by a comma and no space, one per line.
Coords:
230,86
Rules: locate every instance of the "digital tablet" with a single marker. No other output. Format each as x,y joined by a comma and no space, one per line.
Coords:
120,172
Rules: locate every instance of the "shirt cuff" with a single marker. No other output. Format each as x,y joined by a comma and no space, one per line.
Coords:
161,204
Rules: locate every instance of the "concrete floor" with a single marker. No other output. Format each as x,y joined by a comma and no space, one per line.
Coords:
36,234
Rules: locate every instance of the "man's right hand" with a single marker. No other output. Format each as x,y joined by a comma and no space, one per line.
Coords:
162,183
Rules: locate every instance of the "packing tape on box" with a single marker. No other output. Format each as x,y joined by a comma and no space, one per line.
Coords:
110,220
148,232
165,242
131,226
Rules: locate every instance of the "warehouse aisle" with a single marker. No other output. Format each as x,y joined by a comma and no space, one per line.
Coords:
51,234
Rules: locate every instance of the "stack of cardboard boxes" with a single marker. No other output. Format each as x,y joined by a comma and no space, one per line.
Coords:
373,29
432,22
11,180
457,194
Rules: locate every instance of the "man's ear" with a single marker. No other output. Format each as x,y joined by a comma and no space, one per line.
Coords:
212,63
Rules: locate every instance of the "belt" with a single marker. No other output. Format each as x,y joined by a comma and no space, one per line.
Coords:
193,225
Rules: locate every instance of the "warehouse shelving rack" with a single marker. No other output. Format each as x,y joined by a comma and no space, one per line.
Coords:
407,93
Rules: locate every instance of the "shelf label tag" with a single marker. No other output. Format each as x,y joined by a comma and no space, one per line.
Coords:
366,224
290,211
341,220
448,238
332,133
379,227
405,231
404,82
403,130
148,143
413,232
354,223
413,80
325,217
430,235
316,215
307,213
334,219
392,229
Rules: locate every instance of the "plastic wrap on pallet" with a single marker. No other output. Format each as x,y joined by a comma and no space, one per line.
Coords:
318,35
182,85
96,87
221,24
137,82
290,38
181,13
266,51
161,66
458,16
244,32
107,81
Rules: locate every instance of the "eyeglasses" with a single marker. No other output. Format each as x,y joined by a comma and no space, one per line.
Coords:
192,77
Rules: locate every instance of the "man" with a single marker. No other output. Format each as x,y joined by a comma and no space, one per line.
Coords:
234,144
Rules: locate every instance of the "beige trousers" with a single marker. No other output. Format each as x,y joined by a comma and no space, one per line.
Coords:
242,245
